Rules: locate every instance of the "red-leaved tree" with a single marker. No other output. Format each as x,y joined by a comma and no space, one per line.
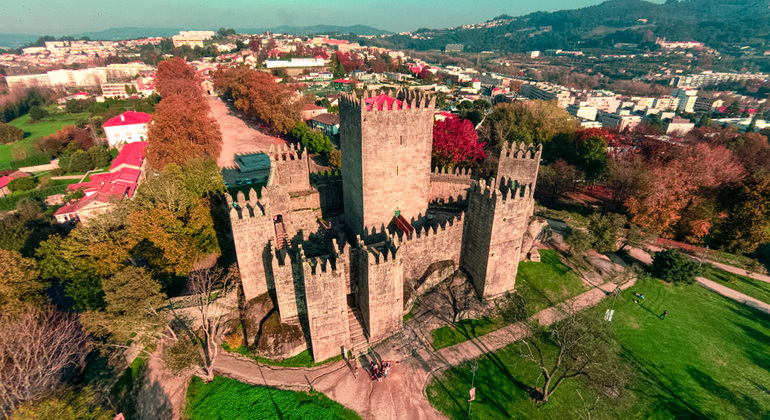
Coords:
455,141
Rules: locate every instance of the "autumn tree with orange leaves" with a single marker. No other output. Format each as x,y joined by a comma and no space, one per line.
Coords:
182,127
257,95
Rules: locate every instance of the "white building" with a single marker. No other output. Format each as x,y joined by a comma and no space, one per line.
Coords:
687,98
582,110
128,127
191,38
295,62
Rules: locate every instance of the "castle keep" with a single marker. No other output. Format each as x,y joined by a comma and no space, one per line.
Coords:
338,253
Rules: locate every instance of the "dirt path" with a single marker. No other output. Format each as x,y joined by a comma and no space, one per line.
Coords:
733,294
402,394
238,135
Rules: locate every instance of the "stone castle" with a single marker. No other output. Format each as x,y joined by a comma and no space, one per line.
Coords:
341,254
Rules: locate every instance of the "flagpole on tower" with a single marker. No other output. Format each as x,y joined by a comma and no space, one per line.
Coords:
474,368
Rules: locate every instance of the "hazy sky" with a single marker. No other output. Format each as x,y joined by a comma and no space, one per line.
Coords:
66,17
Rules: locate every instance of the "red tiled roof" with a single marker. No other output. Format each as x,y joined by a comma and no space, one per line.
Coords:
128,118
340,81
131,154
312,107
379,102
4,181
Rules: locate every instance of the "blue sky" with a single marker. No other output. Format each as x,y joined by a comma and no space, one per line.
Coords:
65,17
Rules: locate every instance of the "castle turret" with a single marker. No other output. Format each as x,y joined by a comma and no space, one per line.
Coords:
380,290
496,221
386,152
519,161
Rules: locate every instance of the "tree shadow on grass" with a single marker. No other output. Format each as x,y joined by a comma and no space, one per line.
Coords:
744,405
665,391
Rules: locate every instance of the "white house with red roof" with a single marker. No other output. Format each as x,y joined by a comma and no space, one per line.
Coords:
128,127
103,190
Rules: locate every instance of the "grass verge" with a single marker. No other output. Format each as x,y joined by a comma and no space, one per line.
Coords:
33,131
708,359
755,288
225,398
303,359
541,284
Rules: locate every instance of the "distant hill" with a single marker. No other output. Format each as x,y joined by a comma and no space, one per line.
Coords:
318,29
718,23
16,40
116,34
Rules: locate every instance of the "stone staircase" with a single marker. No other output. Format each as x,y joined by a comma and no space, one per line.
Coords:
282,240
358,341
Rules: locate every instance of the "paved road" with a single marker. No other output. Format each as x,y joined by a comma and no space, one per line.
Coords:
402,394
733,294
738,271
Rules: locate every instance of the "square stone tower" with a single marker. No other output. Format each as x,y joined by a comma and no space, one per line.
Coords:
386,150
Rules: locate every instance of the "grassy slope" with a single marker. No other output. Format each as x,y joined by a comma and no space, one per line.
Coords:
542,284
709,358
746,285
229,399
47,126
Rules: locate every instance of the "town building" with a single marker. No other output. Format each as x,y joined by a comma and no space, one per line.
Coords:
103,190
394,221
679,126
128,127
191,38
687,99
327,123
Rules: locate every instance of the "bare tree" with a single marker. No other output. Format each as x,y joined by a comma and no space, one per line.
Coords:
579,345
40,350
205,284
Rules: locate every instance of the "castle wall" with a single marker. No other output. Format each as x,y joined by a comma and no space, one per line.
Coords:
292,168
330,191
385,160
283,271
495,225
519,162
425,247
252,231
446,186
327,309
381,292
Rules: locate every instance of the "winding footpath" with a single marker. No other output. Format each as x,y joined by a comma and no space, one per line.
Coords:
725,291
402,395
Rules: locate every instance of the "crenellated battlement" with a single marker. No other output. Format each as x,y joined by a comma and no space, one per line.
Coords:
243,208
386,100
285,152
522,150
462,173
508,191
426,232
325,176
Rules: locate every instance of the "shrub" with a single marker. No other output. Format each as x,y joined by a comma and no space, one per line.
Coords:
19,153
21,184
100,156
314,141
80,161
10,134
335,159
672,266
182,355
37,113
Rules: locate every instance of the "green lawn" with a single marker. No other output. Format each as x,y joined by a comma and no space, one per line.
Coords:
708,359
225,398
541,284
755,288
303,359
33,131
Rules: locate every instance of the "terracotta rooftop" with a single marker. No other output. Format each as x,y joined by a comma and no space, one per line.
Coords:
128,118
